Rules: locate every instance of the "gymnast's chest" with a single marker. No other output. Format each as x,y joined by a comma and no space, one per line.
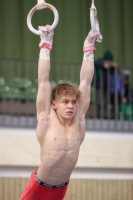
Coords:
61,140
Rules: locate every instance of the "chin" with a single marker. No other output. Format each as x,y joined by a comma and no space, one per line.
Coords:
69,117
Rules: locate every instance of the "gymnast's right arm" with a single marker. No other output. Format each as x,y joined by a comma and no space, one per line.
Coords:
43,100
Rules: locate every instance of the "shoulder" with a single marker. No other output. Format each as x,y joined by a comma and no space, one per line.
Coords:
44,124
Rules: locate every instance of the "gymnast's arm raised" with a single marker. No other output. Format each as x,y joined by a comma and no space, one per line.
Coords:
43,101
86,73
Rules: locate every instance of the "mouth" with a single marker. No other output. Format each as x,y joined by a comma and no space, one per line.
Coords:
69,112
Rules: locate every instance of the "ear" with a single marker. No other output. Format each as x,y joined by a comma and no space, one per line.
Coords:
54,105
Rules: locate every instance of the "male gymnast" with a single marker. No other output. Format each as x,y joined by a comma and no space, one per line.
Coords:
61,122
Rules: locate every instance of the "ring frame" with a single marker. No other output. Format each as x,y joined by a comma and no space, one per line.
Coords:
33,10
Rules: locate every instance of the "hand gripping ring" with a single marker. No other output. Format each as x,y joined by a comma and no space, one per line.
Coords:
32,11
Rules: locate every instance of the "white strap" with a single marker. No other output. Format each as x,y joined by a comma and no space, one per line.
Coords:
94,22
41,4
40,1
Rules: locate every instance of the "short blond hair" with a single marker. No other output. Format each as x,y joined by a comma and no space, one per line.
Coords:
65,89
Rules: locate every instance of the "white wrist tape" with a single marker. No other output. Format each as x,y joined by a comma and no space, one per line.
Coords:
88,56
44,54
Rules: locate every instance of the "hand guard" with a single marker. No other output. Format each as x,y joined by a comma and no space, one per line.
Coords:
46,36
89,42
89,46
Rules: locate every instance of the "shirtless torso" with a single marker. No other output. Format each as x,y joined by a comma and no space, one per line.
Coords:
59,149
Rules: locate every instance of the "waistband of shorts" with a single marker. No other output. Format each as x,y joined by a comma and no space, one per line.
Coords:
47,185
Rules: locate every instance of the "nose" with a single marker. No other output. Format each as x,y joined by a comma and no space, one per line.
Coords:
70,105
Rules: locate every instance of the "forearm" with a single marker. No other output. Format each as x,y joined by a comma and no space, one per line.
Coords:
44,87
87,72
87,68
86,75
46,35
44,65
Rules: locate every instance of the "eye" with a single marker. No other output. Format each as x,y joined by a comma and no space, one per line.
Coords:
65,102
74,102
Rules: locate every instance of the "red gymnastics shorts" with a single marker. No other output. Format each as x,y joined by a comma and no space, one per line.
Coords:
36,191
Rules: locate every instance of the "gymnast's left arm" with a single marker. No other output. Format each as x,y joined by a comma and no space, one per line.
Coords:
87,72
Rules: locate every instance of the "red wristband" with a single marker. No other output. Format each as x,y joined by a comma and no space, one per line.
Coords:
89,48
45,45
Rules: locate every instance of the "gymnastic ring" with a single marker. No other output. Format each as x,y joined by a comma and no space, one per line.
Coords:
32,11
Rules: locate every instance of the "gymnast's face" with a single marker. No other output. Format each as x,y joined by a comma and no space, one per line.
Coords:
65,106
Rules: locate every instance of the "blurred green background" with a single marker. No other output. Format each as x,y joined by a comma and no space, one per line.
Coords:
17,42
115,19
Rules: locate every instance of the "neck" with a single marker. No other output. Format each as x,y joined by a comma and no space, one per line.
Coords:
64,122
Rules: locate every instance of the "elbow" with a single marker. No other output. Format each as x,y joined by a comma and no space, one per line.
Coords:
86,81
41,79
